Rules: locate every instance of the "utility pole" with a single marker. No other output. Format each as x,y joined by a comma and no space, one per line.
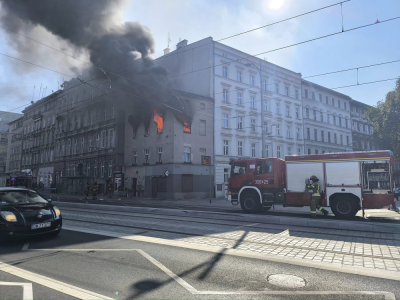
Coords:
262,115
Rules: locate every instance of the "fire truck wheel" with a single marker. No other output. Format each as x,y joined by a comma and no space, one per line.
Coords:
250,202
344,207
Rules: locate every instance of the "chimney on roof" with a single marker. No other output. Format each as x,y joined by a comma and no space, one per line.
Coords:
166,51
181,44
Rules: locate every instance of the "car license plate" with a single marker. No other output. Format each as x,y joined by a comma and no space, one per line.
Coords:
40,225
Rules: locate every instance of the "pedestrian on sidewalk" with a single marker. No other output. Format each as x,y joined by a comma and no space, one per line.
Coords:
87,189
110,189
316,196
95,189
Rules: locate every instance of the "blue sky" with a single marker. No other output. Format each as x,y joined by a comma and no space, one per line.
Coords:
195,20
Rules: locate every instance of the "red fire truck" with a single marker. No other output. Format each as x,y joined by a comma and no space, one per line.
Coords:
350,181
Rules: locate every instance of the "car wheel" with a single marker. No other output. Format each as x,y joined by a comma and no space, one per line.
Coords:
344,207
250,202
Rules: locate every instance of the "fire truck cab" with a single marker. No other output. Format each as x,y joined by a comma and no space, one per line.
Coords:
349,181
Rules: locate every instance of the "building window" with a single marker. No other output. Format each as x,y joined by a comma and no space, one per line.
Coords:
333,101
265,105
202,129
111,138
287,91
322,136
277,108
146,156
239,76
327,100
135,135
362,144
226,175
147,131
329,137
240,149
88,169
306,93
225,122
320,97
225,72
371,131
335,135
287,111
298,133
278,130
266,126
298,151
253,150
289,150
288,132
266,151
341,139
296,92
252,102
297,113
75,146
82,144
315,135
355,126
226,147
225,95
307,113
308,133
252,80
240,123
345,105
102,169
103,139
239,98
134,161
253,125
322,116
313,95
265,83
186,154
309,151
338,103
347,141
315,115
361,128
334,120
109,168
340,121
316,151
90,144
277,88
159,155
278,151
366,129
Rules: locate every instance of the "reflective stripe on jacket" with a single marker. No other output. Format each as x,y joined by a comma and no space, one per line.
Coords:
315,186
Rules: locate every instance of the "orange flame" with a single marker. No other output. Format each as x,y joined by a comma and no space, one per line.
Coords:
186,127
159,120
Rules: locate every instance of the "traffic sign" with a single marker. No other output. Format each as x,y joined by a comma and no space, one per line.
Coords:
206,160
166,173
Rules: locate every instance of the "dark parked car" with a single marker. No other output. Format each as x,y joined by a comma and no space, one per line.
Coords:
24,213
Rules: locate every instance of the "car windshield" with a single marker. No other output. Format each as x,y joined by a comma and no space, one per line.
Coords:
20,198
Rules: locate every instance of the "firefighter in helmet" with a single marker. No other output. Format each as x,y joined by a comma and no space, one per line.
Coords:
87,188
95,189
316,190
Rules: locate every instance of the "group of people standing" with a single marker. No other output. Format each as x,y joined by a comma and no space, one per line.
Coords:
95,188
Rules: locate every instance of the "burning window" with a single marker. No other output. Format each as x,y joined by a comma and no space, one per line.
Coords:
159,120
186,128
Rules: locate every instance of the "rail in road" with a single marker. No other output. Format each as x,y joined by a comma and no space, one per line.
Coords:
370,250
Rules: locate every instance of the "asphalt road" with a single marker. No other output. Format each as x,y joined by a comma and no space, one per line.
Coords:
75,264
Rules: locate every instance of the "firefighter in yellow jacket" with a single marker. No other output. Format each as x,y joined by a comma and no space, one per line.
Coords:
316,195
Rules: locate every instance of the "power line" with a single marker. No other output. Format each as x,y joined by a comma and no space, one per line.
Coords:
384,63
370,82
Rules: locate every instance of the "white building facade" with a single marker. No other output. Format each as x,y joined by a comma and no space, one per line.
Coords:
327,120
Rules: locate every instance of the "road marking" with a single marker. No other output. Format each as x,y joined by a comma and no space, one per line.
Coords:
51,283
194,291
25,246
27,292
249,225
375,273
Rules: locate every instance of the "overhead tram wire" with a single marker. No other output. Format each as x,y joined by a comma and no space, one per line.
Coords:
345,70
370,82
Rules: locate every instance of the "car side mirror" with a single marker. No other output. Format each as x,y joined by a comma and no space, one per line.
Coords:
49,200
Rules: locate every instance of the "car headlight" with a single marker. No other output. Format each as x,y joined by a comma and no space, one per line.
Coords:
8,216
57,211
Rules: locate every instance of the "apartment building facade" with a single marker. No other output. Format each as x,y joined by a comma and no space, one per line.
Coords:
327,121
242,86
5,119
14,148
164,160
362,129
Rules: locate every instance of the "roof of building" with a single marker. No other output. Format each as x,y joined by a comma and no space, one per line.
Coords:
328,90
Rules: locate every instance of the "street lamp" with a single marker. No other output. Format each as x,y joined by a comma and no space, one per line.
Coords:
262,106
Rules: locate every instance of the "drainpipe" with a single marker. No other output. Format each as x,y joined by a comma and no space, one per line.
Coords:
213,74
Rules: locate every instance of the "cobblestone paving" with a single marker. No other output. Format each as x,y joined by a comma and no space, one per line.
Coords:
352,248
